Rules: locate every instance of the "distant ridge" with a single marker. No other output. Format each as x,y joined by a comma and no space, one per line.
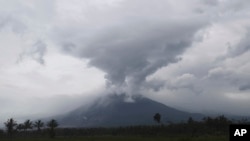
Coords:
114,111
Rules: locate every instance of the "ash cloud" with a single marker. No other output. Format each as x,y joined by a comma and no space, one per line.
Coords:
129,56
129,46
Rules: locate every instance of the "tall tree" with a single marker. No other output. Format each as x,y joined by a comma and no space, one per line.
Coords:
27,124
38,124
10,126
157,118
20,127
52,125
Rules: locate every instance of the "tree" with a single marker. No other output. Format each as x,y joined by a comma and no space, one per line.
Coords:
20,127
27,125
190,120
52,125
157,118
10,126
38,124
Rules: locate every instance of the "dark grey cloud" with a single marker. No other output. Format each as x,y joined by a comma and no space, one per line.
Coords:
134,40
129,54
244,87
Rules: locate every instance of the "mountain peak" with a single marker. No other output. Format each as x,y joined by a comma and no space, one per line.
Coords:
116,110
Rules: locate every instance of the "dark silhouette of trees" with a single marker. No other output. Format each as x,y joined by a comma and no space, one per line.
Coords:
20,127
27,125
1,133
10,126
38,124
52,125
157,118
192,128
219,123
190,120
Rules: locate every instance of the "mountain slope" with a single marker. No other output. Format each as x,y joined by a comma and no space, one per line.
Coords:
116,112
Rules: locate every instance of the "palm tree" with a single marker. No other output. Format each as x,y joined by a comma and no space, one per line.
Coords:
38,124
20,127
10,125
27,125
52,125
157,118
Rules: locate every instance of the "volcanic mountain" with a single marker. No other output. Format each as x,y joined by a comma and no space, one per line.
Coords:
115,111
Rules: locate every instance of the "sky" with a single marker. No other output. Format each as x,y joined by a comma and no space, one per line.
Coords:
58,54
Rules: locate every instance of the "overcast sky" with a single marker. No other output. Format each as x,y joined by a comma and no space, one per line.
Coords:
58,54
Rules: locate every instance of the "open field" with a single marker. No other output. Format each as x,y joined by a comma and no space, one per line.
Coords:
123,138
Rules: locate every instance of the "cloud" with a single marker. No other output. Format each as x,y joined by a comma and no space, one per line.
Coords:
241,48
211,2
129,50
8,22
36,52
129,60
244,87
166,49
201,82
187,54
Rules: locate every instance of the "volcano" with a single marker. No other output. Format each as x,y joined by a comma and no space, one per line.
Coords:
115,111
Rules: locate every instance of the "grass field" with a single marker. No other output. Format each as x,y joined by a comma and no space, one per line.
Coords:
121,138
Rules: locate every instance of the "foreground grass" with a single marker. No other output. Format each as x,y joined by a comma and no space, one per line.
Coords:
124,138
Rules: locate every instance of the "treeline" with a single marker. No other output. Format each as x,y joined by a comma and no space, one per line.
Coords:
29,128
208,126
